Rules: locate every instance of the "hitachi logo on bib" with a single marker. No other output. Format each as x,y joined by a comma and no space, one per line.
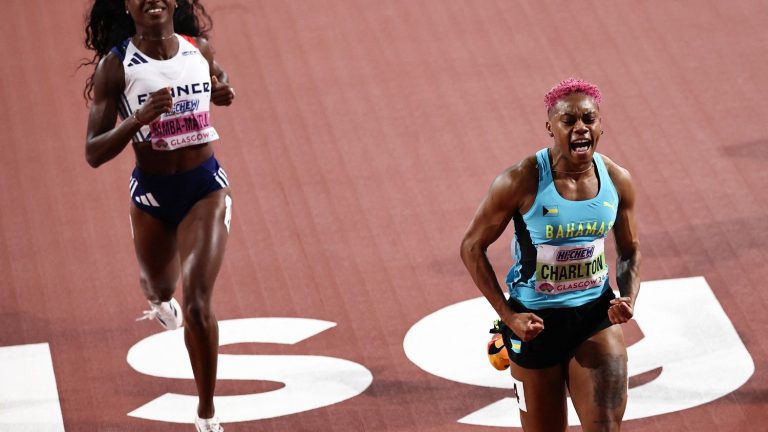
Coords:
181,90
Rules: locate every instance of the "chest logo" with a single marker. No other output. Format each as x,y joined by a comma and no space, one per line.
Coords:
550,210
137,59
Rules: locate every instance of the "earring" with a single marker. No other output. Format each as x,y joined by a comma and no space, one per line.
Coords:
551,134
126,11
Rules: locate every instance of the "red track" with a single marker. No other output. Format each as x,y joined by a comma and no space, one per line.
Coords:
363,137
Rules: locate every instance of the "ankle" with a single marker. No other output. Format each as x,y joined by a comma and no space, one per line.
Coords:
206,413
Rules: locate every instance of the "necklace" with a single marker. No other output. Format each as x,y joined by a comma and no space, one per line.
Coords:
573,172
161,38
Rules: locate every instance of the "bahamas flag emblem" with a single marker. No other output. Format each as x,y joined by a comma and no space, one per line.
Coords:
515,345
550,210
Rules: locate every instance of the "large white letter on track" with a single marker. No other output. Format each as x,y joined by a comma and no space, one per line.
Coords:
687,334
310,381
29,399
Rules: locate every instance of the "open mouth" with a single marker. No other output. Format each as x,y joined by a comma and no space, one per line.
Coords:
581,146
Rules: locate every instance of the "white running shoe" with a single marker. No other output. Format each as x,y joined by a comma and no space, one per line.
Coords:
208,425
168,314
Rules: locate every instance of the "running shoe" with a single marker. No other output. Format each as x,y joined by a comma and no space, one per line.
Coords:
497,351
208,425
168,314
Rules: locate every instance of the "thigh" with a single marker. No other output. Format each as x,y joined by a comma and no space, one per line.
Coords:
541,397
156,250
597,380
202,241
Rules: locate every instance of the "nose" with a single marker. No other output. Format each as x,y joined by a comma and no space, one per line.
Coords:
580,130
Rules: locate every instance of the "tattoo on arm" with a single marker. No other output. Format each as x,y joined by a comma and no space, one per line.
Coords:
628,275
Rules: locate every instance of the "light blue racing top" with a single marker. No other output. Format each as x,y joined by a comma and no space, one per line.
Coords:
559,247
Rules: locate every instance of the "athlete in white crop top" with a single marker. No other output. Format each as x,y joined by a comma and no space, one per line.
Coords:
161,84
186,76
559,326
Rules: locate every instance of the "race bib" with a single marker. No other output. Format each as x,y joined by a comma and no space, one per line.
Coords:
182,130
562,269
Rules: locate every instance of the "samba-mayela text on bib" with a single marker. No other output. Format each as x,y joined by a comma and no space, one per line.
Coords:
561,269
176,130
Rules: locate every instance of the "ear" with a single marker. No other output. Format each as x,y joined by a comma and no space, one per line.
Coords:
549,128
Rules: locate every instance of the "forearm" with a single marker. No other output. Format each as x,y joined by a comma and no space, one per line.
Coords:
106,146
222,76
628,275
481,270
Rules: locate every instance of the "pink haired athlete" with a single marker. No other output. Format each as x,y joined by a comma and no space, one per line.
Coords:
559,323
566,87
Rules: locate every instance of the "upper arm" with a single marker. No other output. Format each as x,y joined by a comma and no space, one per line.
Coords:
207,51
625,228
506,196
108,84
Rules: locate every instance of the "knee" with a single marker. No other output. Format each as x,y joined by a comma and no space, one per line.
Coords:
198,312
603,425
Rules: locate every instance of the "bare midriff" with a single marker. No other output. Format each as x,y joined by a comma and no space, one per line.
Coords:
170,162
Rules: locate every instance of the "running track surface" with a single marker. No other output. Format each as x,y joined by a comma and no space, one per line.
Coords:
363,136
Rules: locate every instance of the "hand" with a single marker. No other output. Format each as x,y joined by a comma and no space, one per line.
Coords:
525,325
159,102
222,94
621,310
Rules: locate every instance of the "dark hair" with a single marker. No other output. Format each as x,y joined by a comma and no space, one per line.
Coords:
107,25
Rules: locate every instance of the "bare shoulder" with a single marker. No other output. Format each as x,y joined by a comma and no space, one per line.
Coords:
621,178
204,46
109,76
109,64
202,42
207,51
517,184
523,172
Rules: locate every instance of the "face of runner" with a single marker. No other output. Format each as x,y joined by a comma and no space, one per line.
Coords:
574,123
151,13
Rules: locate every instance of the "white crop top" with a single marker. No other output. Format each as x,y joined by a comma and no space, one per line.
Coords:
188,76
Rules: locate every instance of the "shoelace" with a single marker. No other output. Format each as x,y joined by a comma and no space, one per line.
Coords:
149,314
497,326
211,425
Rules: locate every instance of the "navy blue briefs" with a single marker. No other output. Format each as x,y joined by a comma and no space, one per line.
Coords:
564,330
170,198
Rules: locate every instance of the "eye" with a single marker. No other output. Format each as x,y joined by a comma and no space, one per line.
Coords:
568,119
589,119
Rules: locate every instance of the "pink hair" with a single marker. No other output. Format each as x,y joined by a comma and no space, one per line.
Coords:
568,86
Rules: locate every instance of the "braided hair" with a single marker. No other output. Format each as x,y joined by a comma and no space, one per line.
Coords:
107,25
